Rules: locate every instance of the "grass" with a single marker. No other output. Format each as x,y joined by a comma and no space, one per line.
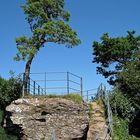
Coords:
90,110
73,97
121,130
100,103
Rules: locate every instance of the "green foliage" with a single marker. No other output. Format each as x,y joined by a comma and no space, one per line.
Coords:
133,138
129,79
120,105
112,54
74,97
48,23
120,129
118,60
100,103
9,90
90,110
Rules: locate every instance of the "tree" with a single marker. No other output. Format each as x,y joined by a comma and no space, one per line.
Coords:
48,23
114,54
119,60
128,82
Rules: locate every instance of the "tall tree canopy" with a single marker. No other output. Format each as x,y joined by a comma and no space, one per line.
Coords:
48,23
119,60
114,54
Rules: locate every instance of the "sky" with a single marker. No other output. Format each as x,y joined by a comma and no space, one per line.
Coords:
89,18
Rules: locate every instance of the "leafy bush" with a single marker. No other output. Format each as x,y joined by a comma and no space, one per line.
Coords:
9,90
120,129
120,105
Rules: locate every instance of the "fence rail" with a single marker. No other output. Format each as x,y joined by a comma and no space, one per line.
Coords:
96,94
71,83
103,95
53,83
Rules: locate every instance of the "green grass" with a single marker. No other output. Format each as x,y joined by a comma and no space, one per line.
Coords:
100,103
121,130
73,97
90,110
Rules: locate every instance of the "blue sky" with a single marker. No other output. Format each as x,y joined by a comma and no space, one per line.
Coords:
90,18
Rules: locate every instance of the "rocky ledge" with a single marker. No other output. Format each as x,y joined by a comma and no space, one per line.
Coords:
42,119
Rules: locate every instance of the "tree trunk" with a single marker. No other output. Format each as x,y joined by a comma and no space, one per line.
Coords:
26,75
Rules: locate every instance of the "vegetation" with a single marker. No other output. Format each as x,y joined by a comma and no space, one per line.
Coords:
121,129
120,105
3,134
9,90
48,23
118,60
90,110
74,97
114,54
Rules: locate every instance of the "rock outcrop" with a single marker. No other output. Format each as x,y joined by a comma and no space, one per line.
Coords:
42,119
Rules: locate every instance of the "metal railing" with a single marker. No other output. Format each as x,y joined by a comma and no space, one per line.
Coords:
33,88
70,83
59,83
97,94
89,95
103,95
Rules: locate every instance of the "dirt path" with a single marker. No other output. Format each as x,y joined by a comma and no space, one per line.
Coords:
97,125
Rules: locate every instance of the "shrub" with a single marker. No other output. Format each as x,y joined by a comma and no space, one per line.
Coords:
9,90
120,129
120,105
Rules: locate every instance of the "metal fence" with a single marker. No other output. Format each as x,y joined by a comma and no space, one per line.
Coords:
103,95
97,94
62,83
89,95
59,83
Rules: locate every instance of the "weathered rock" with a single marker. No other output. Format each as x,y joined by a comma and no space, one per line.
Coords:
40,119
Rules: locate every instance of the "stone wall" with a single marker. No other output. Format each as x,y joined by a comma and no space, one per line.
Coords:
38,119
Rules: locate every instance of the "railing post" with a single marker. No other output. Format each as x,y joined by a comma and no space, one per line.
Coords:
45,83
81,86
68,83
41,91
87,95
23,86
34,88
28,85
38,90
